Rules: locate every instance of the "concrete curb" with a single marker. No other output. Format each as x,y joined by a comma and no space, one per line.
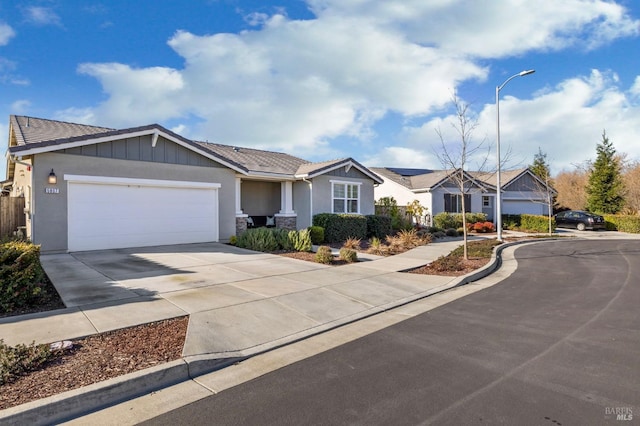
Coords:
72,404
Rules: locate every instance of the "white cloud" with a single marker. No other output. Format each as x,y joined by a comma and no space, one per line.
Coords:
566,122
397,156
6,33
20,106
295,85
491,29
136,95
38,15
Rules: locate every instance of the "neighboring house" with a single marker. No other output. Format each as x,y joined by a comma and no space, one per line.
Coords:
89,188
522,191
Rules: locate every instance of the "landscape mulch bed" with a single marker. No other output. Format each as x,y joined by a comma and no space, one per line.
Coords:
100,357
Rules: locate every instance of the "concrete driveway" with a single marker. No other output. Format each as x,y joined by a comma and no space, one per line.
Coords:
86,278
239,301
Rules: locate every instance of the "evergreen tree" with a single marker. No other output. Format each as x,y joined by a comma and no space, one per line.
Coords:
605,188
540,166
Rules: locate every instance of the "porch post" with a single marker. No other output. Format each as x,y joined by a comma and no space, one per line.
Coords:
286,218
286,198
239,196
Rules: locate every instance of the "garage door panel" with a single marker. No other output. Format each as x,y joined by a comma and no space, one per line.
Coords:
103,216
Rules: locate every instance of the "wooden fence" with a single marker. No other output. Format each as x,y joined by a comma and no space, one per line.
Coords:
11,215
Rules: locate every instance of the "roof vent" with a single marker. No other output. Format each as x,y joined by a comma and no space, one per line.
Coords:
236,149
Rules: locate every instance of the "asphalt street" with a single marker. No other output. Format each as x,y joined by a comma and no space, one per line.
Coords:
557,343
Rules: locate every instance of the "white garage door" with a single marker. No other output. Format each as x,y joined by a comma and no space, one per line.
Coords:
106,213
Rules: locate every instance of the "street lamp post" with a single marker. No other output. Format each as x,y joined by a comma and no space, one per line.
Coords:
498,186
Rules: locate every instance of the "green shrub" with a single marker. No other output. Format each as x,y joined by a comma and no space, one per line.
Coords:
445,221
323,255
258,239
348,255
22,278
300,240
511,221
282,238
454,220
450,232
233,240
317,234
623,223
339,227
20,359
535,223
379,226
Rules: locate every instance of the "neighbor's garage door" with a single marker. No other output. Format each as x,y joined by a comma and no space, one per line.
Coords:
106,213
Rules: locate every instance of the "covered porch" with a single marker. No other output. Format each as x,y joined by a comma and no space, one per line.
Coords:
264,203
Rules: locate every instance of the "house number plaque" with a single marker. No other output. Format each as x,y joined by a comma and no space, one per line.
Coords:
52,190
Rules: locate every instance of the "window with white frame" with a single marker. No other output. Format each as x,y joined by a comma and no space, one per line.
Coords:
345,197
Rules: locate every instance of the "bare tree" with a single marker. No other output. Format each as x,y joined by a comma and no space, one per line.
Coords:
456,156
631,177
571,189
543,184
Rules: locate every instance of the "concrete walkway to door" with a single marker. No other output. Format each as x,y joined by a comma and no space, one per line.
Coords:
240,302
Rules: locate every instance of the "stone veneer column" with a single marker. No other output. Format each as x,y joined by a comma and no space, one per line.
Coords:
241,224
286,222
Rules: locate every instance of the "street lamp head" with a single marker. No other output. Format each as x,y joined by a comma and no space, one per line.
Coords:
526,72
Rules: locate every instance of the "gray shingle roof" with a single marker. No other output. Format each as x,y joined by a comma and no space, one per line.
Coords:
255,160
30,130
413,181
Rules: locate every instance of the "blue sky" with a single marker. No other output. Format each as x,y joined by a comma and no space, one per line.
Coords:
325,79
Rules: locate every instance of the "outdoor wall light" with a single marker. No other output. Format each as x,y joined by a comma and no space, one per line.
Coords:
53,179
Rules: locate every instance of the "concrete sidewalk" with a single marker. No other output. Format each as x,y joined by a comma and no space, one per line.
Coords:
240,303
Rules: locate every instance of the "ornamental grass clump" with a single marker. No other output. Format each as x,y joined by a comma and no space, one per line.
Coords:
376,247
352,243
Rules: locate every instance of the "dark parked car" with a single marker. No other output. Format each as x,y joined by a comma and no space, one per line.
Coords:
579,220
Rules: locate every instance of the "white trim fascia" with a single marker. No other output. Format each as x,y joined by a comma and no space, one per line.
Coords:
366,172
269,176
107,180
111,138
348,182
420,190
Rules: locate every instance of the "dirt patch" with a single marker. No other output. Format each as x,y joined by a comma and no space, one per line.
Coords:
100,357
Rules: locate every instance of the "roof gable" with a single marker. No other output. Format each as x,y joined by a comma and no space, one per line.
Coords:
311,170
422,180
